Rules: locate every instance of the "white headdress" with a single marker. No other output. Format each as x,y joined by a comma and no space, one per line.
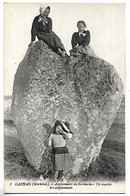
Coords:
65,127
42,7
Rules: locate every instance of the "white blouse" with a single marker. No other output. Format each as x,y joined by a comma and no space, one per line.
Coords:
57,140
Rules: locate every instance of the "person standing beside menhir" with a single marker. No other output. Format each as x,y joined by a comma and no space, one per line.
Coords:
42,28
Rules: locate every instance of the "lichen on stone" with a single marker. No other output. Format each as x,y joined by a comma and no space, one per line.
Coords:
46,88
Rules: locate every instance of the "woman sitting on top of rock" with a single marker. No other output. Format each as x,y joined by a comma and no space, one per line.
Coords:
42,28
80,42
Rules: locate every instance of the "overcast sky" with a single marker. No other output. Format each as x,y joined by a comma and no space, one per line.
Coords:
104,21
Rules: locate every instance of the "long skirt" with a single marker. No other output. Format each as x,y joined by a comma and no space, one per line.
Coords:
83,50
52,40
60,159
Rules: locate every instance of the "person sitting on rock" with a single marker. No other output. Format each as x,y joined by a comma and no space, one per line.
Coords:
60,154
80,42
42,28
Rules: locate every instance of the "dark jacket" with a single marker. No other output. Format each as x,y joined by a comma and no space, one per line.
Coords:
80,39
38,27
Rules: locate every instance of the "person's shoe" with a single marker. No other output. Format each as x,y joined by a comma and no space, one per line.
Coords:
41,177
56,176
64,179
72,60
62,53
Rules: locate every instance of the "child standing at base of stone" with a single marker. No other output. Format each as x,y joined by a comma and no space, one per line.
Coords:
60,154
80,42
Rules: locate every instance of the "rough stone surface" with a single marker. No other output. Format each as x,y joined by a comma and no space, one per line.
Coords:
86,95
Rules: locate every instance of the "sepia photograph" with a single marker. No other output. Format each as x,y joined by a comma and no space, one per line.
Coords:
64,97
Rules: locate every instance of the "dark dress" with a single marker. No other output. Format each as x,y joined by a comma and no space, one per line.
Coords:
45,33
82,40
